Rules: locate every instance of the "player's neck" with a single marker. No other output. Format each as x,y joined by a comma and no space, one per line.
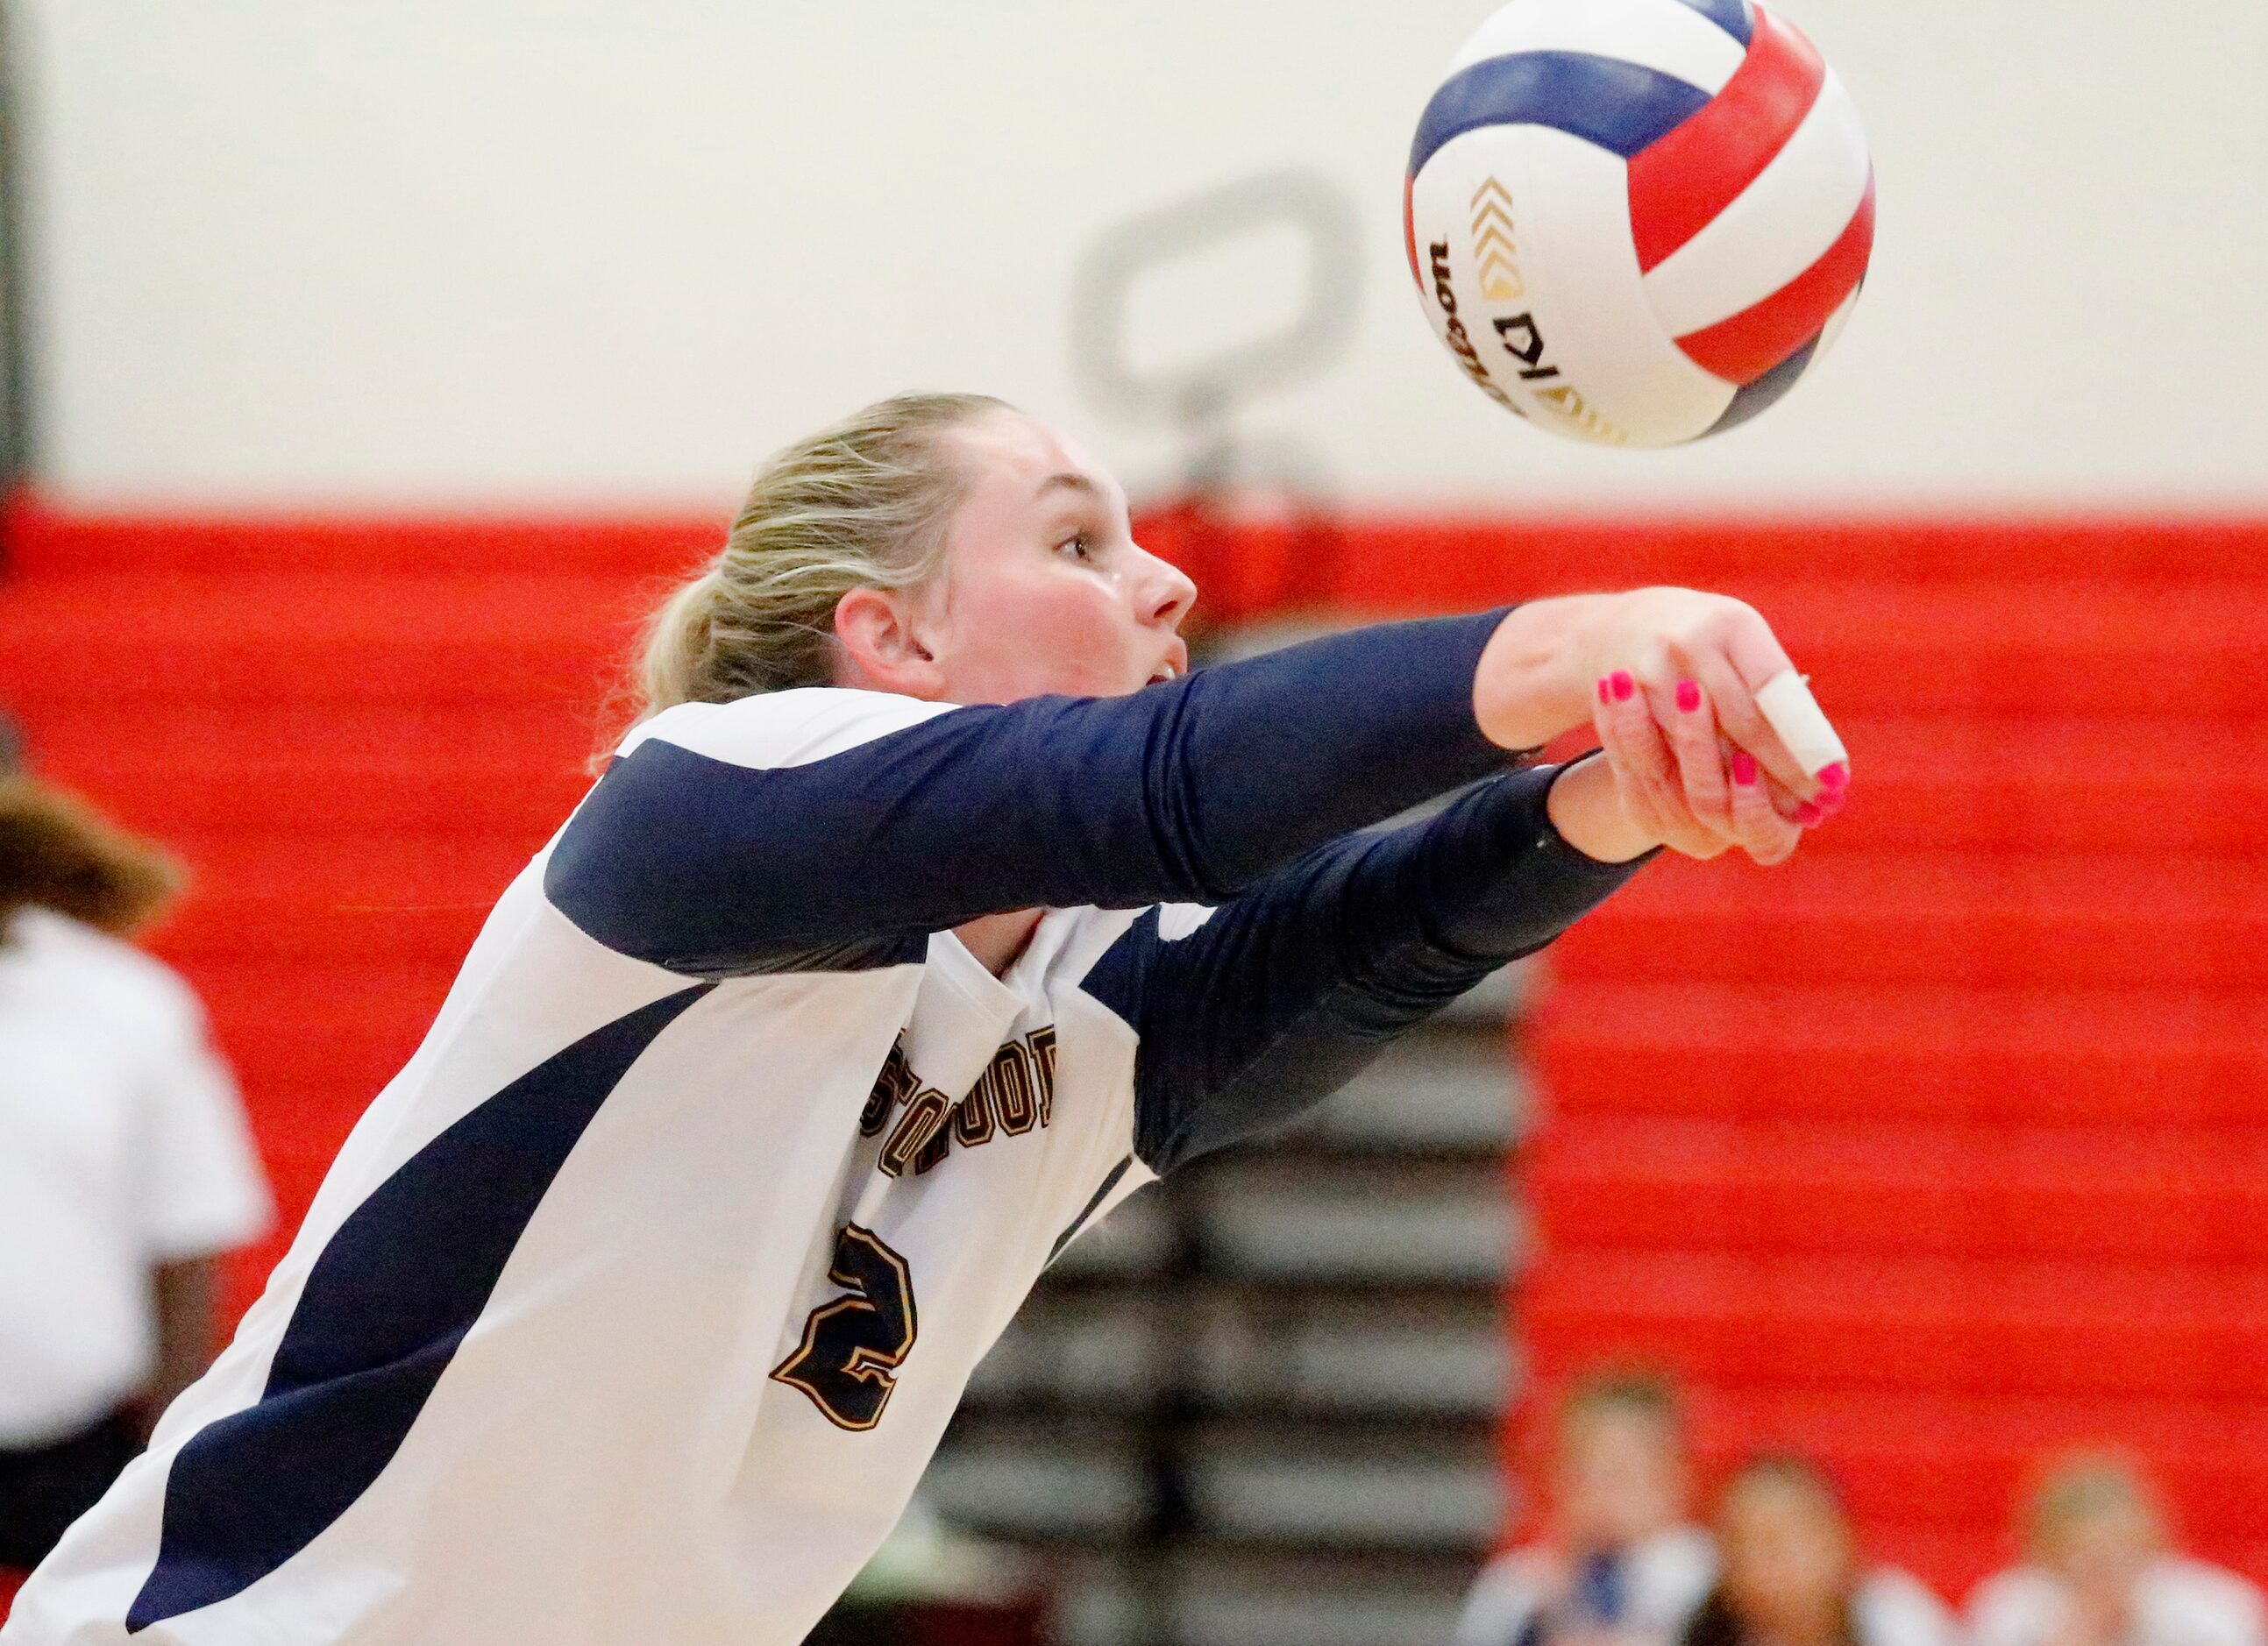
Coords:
996,940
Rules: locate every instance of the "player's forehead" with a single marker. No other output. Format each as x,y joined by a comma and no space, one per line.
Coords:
1018,459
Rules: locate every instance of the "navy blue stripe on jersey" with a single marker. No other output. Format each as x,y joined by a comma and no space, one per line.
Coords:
1187,791
382,1312
1286,993
1094,1200
1621,106
1731,16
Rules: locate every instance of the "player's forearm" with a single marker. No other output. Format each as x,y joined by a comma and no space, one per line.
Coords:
1288,991
1504,877
1536,674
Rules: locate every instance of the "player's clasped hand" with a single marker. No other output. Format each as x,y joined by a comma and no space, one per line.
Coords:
1697,764
1682,785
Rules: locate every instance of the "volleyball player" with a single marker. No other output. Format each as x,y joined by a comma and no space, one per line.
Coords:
634,1306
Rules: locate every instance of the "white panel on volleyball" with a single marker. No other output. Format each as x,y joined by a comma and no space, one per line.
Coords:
1836,322
1621,378
1779,226
1661,35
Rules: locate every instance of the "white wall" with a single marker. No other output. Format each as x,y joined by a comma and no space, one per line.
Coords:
593,252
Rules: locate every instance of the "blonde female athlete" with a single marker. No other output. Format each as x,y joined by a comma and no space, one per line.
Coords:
635,1304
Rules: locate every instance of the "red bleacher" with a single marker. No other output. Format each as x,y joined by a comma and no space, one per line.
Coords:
355,733
1938,1147
1945,1146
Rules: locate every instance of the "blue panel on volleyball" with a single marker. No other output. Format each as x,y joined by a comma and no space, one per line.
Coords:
1622,107
1731,16
1761,395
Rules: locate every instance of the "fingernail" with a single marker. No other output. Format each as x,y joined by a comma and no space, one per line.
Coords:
1602,688
1624,685
1689,696
1744,767
1832,801
1809,815
1835,776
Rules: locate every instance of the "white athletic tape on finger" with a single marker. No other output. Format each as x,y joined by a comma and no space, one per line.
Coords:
1787,704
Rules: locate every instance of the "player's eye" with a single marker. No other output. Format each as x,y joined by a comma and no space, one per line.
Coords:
1078,546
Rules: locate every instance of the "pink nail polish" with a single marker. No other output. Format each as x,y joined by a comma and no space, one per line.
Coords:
1832,801
1689,696
1809,815
1744,767
1602,688
1835,776
1624,685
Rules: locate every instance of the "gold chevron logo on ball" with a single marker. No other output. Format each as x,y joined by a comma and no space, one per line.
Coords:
1492,241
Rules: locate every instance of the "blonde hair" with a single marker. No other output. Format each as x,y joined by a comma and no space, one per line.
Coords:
862,504
1622,1391
57,853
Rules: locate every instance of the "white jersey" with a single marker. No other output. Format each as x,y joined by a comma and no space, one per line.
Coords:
635,1305
729,1332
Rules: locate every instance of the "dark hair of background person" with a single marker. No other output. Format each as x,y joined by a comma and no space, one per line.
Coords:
56,852
1717,1621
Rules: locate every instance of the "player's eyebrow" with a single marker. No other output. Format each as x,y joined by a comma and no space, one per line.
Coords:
1070,481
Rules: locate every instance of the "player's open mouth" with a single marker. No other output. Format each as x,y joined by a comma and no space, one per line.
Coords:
1167,672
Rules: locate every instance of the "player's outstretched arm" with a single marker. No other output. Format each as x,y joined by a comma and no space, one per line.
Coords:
781,829
1283,995
732,838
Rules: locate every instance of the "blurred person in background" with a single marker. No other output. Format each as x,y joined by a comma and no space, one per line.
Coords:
1619,1565
126,1169
2101,1572
1789,1572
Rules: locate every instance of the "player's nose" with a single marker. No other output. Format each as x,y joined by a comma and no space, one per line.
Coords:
1163,593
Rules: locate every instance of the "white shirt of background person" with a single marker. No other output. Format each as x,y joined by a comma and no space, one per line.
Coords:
123,1148
1618,1566
2100,1573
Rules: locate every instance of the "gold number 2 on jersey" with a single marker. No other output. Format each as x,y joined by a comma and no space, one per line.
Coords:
851,1347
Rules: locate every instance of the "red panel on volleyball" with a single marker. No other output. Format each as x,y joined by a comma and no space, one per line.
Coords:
1679,184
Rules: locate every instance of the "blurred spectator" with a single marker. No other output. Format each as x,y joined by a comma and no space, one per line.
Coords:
1790,1573
2100,1573
125,1166
1618,1566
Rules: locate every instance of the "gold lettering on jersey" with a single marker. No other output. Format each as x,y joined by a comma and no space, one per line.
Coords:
1043,1056
893,1086
973,1122
923,1122
1008,1080
1015,1093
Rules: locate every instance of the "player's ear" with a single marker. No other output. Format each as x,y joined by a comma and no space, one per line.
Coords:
875,629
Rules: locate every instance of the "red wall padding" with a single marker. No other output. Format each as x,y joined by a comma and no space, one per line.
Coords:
1938,1147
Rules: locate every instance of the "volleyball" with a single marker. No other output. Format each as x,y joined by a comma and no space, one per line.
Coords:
1636,223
